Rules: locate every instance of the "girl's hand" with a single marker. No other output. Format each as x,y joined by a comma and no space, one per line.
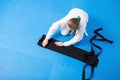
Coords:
59,43
45,42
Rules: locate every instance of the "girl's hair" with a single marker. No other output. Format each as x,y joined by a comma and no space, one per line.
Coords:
73,23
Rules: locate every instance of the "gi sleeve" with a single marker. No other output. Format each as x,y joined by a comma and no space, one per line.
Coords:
78,37
83,25
55,26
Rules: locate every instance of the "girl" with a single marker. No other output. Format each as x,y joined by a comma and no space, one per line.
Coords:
75,21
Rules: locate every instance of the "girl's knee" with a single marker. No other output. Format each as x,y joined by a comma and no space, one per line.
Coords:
64,33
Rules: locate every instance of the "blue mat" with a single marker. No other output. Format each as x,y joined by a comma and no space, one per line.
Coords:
22,23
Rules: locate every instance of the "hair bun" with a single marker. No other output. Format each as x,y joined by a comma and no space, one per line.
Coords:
78,18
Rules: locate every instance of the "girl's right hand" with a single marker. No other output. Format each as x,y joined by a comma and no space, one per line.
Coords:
45,42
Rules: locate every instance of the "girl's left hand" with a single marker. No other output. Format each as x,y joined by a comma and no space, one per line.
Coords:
59,43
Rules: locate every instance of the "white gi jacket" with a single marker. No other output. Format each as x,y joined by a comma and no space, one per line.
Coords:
74,13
